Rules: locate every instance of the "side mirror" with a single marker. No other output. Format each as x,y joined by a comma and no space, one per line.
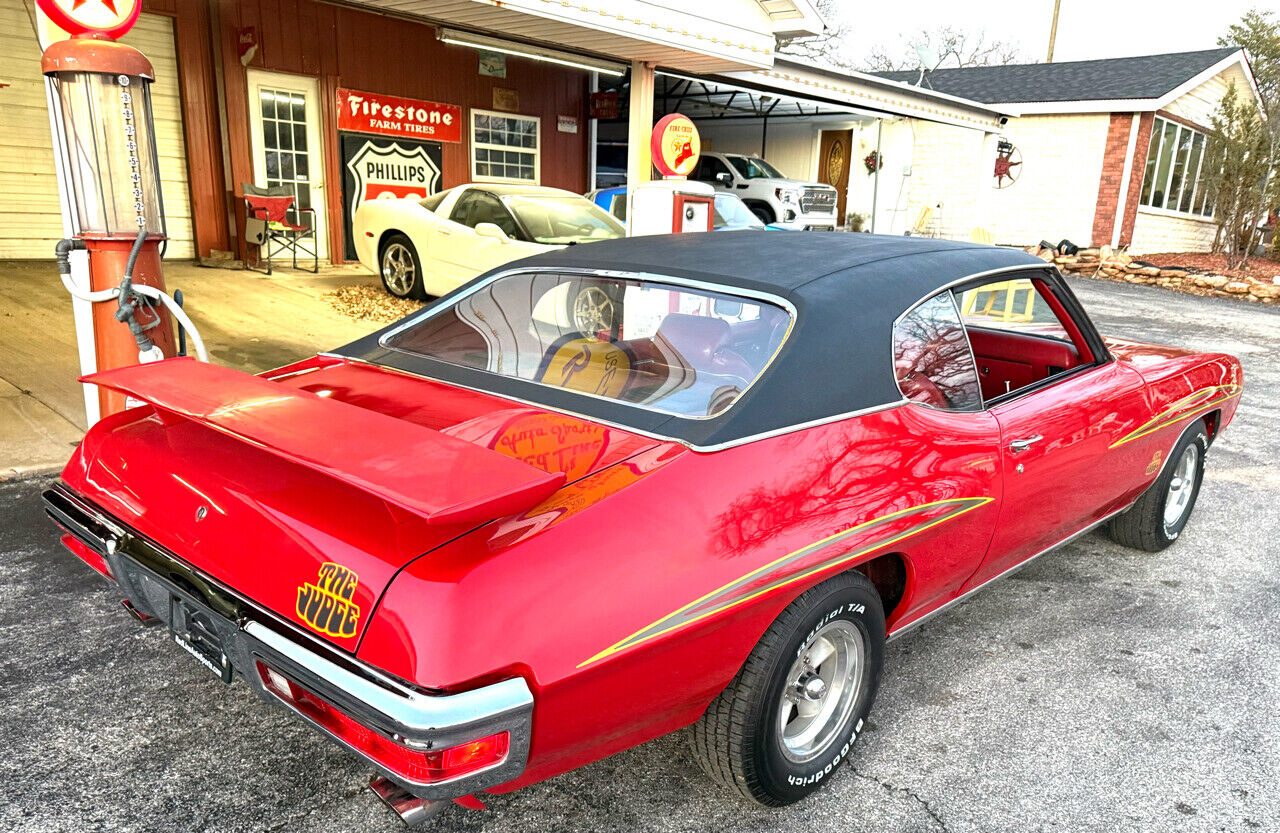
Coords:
492,231
724,177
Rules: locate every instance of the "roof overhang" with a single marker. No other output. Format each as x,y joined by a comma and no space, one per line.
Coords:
864,94
1140,105
741,34
794,18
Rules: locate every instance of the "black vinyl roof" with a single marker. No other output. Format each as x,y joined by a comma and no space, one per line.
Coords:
847,289
1141,77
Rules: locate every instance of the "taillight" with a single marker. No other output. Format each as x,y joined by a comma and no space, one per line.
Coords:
88,556
416,765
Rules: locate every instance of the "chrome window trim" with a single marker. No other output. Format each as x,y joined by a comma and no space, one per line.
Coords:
647,277
701,449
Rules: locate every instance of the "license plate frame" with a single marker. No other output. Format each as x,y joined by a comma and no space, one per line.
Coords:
192,628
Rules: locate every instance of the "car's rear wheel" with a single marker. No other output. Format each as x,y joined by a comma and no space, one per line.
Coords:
793,712
401,268
1158,517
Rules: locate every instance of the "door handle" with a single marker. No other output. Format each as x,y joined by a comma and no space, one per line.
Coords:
1019,446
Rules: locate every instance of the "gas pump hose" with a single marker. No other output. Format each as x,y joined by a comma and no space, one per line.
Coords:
126,289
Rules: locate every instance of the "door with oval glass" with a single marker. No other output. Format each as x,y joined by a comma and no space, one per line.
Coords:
284,127
833,165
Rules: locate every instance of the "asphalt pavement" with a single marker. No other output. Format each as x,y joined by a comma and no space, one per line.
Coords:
1100,689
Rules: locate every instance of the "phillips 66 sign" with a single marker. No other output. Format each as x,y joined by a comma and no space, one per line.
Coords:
375,168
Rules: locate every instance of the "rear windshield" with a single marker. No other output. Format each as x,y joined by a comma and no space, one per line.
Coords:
672,349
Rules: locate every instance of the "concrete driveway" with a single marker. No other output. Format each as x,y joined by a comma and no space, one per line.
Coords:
1100,689
249,321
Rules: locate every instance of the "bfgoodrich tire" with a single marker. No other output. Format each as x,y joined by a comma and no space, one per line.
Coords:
1158,517
793,712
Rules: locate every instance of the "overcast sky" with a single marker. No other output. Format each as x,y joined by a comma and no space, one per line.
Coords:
1086,28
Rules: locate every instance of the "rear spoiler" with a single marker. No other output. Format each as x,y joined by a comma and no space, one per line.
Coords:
441,478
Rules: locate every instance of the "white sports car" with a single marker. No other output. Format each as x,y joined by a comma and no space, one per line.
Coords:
425,248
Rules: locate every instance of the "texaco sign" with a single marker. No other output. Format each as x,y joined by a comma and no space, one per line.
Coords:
379,169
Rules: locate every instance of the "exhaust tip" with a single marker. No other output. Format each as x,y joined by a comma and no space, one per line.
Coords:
138,616
411,809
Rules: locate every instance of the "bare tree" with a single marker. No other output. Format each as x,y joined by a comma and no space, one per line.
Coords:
831,48
944,46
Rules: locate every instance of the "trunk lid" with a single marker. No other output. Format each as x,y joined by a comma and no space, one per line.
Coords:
309,493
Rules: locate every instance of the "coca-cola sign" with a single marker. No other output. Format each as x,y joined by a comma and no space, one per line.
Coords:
390,115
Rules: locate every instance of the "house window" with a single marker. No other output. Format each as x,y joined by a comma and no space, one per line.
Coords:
504,147
1174,179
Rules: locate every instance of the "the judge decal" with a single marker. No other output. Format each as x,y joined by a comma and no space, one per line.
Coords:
326,605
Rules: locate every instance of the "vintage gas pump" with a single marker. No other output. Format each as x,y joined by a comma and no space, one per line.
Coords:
100,102
673,203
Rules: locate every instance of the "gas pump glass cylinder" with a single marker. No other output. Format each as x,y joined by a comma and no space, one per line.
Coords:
112,160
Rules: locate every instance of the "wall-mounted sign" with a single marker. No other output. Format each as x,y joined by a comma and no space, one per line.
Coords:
566,124
604,105
389,115
674,145
379,169
111,18
247,44
493,64
504,99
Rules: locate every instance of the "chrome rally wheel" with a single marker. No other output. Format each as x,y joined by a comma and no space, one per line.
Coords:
820,691
791,716
1159,515
1182,487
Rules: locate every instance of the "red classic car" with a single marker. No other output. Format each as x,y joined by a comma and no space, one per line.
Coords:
486,545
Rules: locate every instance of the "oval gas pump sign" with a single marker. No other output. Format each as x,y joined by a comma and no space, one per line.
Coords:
111,18
675,145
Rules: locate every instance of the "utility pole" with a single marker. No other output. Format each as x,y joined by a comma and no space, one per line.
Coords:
1053,30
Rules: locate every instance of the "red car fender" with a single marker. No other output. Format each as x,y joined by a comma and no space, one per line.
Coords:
635,597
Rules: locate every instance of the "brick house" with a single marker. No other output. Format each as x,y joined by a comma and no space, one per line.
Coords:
1111,149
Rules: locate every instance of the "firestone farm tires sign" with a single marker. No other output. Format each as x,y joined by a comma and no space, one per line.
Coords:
379,169
390,115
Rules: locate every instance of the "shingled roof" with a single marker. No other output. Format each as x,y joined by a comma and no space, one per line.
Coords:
1142,77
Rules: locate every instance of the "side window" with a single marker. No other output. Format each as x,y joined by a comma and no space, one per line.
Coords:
708,168
462,209
931,356
1013,305
1017,337
476,207
489,209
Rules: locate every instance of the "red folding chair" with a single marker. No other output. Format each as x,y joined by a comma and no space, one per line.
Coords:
273,224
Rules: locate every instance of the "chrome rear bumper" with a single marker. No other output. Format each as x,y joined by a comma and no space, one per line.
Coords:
426,720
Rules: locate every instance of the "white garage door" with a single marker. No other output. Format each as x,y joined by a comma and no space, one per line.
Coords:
30,222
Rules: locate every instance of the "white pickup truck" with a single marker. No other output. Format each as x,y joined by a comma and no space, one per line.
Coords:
768,193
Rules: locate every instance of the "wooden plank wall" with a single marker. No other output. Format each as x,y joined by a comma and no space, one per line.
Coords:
343,47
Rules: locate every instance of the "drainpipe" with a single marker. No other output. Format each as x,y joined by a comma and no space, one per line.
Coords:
875,177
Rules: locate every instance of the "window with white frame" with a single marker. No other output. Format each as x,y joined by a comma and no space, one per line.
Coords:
1174,179
504,147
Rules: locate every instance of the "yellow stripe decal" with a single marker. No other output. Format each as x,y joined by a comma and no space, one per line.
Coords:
1186,407
739,590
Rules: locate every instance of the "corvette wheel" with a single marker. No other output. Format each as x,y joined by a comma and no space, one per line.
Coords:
593,311
1158,517
401,270
793,712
